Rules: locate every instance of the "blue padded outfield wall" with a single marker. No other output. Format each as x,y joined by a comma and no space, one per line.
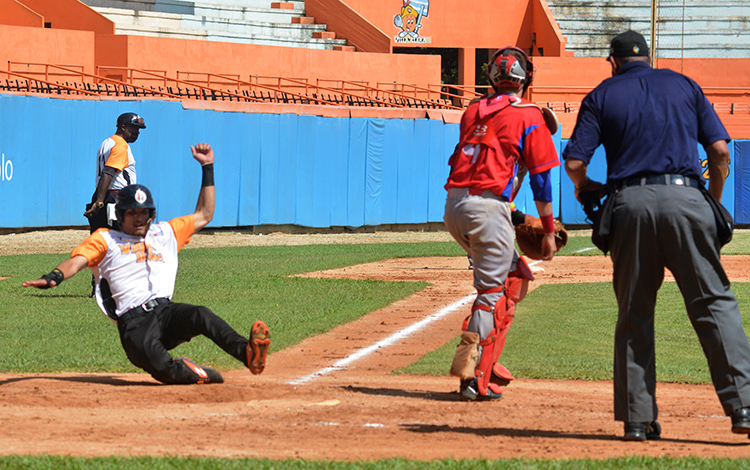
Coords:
271,169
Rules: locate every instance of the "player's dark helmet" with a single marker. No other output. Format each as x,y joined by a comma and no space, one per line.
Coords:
135,196
132,119
510,67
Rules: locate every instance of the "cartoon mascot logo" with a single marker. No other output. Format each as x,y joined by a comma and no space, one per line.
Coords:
409,21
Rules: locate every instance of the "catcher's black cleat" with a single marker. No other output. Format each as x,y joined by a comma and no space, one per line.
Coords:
741,421
205,375
257,347
642,431
469,391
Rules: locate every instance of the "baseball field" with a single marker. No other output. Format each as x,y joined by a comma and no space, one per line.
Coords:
363,329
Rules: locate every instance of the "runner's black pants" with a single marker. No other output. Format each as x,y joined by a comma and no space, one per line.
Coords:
147,338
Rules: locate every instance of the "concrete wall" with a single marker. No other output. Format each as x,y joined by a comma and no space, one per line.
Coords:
709,28
48,46
174,55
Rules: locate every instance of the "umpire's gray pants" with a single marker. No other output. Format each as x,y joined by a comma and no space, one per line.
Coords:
658,226
482,226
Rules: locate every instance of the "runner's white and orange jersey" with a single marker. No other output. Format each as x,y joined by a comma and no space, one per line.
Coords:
115,152
136,269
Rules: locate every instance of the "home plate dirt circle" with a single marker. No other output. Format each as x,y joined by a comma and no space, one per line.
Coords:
360,412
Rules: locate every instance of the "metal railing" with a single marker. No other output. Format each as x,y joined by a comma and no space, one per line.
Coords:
46,79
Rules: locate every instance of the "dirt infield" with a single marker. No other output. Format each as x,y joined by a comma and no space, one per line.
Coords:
303,406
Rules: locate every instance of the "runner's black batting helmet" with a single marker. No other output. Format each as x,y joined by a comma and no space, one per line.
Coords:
132,119
135,196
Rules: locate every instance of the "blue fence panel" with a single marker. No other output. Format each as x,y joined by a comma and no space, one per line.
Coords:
337,154
742,182
357,172
395,130
437,172
376,167
271,169
262,156
289,143
306,133
229,179
413,173
322,176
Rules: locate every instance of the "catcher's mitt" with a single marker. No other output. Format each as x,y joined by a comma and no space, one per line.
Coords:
529,236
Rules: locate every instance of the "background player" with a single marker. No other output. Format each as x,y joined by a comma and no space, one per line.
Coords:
135,271
500,132
115,168
650,123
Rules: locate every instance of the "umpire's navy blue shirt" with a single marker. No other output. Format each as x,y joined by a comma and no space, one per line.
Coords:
648,121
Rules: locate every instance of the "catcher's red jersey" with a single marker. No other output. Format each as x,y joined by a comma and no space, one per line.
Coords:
498,132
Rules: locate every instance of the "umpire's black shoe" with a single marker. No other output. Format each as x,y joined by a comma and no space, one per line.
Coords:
642,431
741,421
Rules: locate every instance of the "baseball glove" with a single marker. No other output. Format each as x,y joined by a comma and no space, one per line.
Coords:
529,236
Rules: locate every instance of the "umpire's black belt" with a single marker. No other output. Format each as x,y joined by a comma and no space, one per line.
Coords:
661,179
143,309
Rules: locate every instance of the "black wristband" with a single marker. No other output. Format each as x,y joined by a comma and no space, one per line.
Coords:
208,175
54,275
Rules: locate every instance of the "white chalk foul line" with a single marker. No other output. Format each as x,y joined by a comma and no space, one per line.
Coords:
343,363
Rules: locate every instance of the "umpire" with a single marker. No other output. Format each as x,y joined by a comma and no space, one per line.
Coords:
650,123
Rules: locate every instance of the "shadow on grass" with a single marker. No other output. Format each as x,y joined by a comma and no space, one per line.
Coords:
49,295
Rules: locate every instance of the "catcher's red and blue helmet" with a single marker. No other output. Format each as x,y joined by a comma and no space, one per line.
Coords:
132,119
134,196
510,67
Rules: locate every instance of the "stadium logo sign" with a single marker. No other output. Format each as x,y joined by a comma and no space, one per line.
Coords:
409,21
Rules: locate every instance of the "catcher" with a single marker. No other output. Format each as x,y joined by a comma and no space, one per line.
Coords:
502,137
135,272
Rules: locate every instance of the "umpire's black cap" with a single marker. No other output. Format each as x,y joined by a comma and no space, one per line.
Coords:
132,119
628,44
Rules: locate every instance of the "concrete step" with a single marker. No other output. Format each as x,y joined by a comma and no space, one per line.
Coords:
283,5
324,35
158,22
303,20
218,36
184,7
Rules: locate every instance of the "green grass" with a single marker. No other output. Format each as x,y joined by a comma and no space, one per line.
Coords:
170,463
239,284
